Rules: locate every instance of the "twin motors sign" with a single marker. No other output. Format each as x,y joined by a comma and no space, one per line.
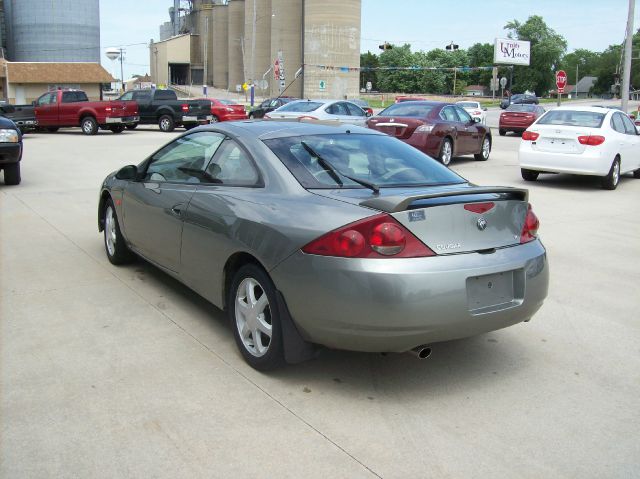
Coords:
511,52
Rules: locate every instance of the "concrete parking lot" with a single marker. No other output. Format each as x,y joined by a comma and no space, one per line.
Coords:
123,372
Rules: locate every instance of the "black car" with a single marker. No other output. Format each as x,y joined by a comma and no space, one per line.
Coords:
519,99
10,151
268,105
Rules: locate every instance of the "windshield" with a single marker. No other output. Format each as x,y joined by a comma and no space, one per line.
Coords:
587,119
528,108
378,159
301,106
468,104
412,109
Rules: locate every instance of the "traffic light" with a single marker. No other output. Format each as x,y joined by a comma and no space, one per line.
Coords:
452,46
385,46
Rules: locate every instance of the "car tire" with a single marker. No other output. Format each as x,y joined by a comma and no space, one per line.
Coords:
190,126
529,175
89,125
52,129
117,129
166,124
251,117
131,126
12,174
485,151
214,119
636,173
610,182
114,244
502,132
250,316
446,152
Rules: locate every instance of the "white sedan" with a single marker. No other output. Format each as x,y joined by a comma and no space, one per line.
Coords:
340,111
581,141
475,110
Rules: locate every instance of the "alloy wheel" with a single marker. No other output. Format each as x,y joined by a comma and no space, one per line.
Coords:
110,231
253,317
445,156
486,148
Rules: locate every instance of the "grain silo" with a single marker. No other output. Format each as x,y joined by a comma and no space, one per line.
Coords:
257,34
236,43
286,47
331,48
53,31
220,46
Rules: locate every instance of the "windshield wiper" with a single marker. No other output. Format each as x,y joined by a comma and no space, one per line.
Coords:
334,172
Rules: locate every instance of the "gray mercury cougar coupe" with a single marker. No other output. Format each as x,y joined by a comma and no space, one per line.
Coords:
337,236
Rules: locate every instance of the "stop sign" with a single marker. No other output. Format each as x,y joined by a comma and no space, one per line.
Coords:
561,79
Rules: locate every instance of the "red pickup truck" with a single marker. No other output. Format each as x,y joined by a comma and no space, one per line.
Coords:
68,108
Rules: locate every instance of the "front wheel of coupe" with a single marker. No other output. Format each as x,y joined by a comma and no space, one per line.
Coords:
484,152
446,152
253,311
117,250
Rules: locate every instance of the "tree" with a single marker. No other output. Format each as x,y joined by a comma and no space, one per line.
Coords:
585,60
368,60
480,55
401,81
547,49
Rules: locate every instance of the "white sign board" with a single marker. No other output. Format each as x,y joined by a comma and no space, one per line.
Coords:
511,52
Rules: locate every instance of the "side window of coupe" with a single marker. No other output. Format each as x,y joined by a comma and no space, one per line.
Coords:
449,114
463,115
183,160
232,166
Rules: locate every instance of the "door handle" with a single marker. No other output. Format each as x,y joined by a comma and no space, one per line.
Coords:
176,210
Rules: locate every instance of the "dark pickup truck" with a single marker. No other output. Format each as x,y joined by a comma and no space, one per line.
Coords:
163,108
10,151
24,116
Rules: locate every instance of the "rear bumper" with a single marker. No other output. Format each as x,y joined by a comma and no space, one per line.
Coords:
10,153
233,117
396,304
122,120
514,126
196,118
590,162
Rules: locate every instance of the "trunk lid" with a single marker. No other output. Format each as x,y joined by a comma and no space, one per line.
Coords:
450,219
401,128
561,139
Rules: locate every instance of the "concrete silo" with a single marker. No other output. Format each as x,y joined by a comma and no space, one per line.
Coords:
53,31
286,47
220,46
257,34
331,48
236,43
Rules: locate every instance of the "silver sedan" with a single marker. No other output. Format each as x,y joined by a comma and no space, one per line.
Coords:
337,236
340,111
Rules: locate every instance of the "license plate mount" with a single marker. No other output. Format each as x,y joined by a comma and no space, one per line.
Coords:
491,292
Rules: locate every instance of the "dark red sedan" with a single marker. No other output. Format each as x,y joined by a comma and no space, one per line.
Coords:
441,130
226,110
518,118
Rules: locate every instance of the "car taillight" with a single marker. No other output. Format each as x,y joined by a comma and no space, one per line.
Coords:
185,107
591,140
425,128
530,135
379,236
530,227
477,113
307,117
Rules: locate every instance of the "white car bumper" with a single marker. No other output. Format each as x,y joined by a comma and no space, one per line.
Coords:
590,162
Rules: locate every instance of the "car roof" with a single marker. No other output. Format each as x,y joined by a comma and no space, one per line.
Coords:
270,129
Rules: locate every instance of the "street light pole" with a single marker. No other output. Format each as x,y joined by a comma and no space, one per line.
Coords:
626,78
121,70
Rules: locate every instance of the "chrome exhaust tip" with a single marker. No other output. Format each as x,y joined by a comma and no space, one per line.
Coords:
421,352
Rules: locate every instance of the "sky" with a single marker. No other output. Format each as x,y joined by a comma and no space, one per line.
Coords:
425,24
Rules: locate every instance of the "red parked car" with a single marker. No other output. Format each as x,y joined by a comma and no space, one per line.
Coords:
518,117
441,130
226,110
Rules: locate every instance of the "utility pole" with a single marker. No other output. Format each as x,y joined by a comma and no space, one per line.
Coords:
626,77
206,52
121,70
576,87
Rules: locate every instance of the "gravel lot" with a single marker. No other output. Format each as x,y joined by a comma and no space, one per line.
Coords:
122,372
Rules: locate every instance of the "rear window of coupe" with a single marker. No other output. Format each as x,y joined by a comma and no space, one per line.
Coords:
586,119
410,109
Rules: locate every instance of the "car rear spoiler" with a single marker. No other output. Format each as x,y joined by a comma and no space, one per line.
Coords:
393,204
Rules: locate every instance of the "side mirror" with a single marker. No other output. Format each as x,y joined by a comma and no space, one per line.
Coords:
485,109
128,173
368,114
477,120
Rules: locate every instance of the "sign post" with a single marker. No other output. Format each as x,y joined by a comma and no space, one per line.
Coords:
561,82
